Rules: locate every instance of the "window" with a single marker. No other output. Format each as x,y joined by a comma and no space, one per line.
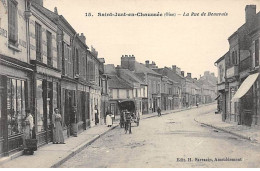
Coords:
77,61
49,48
15,105
12,23
117,93
127,94
257,52
38,41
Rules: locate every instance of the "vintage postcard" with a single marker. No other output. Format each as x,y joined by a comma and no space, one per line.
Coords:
129,84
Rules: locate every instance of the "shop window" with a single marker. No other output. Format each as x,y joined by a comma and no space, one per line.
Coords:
15,105
39,106
55,95
38,41
12,23
49,48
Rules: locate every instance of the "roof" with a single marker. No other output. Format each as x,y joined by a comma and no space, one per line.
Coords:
132,77
110,69
141,68
117,83
51,15
221,58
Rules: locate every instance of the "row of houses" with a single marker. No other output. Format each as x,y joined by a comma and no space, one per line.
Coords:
238,73
152,87
45,64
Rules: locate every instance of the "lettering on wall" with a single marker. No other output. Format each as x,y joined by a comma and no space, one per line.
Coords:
20,13
3,32
32,22
32,47
32,35
44,42
5,5
22,43
44,53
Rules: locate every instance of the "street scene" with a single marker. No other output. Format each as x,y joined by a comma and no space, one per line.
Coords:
147,84
168,141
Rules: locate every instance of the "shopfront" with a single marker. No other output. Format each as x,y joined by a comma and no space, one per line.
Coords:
47,93
14,101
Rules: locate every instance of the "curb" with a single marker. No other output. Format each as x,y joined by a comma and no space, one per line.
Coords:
224,130
80,148
11,157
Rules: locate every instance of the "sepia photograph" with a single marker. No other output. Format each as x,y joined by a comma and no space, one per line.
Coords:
129,84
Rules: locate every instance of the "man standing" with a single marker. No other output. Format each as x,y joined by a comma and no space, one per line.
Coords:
159,111
128,122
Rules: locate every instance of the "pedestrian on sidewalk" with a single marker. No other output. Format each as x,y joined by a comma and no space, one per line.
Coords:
159,111
96,115
57,129
73,121
109,120
29,141
28,126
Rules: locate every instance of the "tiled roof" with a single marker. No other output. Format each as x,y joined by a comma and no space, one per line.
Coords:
118,83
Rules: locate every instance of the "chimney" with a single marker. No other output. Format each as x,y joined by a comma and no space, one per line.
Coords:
39,2
174,68
189,75
182,73
250,11
82,38
55,10
128,62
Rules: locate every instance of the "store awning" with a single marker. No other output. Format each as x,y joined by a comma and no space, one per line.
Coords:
217,97
245,86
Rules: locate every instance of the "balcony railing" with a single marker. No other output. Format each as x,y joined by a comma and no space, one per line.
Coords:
232,71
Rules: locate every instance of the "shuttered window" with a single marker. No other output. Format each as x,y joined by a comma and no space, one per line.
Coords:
49,48
38,40
12,23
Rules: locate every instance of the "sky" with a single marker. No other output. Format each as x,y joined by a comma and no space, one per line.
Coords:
192,43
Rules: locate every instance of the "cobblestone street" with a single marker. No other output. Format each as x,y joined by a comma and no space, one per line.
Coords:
168,141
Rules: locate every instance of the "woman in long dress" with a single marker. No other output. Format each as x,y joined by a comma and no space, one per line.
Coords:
57,129
28,127
109,120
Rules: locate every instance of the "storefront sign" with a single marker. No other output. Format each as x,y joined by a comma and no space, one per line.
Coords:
46,71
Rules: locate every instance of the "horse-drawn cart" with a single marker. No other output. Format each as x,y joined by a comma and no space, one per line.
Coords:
128,107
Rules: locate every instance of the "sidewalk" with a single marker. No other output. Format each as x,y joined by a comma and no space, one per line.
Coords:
53,155
215,121
56,154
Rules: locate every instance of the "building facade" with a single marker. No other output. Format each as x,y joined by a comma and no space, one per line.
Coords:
241,102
